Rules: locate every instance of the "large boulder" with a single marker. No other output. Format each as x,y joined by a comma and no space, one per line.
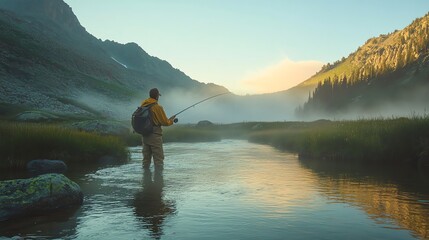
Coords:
37,167
39,195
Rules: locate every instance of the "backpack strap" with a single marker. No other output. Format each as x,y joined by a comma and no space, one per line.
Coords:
150,105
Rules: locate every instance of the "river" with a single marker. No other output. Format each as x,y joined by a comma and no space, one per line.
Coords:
233,189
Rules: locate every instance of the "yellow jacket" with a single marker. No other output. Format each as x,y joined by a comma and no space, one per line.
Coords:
158,115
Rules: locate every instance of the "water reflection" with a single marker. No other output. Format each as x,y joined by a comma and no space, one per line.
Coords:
276,185
59,224
386,193
237,190
149,205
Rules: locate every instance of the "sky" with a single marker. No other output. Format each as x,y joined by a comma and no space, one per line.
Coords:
247,46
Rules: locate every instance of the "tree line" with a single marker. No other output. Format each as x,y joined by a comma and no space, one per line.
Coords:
377,58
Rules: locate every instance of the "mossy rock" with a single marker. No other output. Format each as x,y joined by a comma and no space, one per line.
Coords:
39,195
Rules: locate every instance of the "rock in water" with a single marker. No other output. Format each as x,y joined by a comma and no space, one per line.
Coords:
204,123
37,167
40,195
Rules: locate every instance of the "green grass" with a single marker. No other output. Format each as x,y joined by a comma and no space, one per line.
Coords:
21,142
382,140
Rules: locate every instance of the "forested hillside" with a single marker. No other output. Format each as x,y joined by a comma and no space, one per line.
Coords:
392,68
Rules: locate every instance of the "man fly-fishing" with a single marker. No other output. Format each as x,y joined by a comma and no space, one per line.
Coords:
152,143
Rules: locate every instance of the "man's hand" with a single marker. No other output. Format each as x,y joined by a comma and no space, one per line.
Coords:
172,118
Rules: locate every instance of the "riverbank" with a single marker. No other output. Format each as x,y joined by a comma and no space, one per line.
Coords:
378,141
400,140
22,142
396,140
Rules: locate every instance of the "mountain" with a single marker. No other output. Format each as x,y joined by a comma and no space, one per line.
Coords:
50,63
388,75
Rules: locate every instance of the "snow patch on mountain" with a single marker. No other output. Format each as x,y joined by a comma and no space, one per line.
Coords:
125,66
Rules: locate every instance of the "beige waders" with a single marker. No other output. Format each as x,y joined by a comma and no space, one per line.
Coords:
152,148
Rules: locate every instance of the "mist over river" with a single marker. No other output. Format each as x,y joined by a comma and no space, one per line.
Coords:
234,189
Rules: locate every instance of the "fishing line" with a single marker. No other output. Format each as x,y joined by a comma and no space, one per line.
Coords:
193,105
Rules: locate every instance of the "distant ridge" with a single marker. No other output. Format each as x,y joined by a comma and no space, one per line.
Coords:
392,68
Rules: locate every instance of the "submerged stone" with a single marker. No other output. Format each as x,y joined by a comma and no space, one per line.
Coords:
37,196
37,167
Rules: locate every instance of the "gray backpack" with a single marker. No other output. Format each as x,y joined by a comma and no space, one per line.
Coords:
141,120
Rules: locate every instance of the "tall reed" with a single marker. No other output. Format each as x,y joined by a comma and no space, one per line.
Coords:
386,140
21,142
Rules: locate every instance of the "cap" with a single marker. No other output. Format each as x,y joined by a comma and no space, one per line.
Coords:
154,93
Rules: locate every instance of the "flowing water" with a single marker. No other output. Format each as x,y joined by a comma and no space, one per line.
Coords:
238,190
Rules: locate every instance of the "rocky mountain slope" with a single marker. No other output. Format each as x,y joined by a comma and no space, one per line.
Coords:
49,62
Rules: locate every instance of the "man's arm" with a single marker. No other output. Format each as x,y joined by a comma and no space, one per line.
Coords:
160,118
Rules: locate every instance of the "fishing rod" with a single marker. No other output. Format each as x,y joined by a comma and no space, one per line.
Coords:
193,105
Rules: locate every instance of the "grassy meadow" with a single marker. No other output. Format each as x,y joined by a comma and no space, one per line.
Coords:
21,142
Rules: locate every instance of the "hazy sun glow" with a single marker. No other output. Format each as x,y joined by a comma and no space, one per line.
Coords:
276,185
281,76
